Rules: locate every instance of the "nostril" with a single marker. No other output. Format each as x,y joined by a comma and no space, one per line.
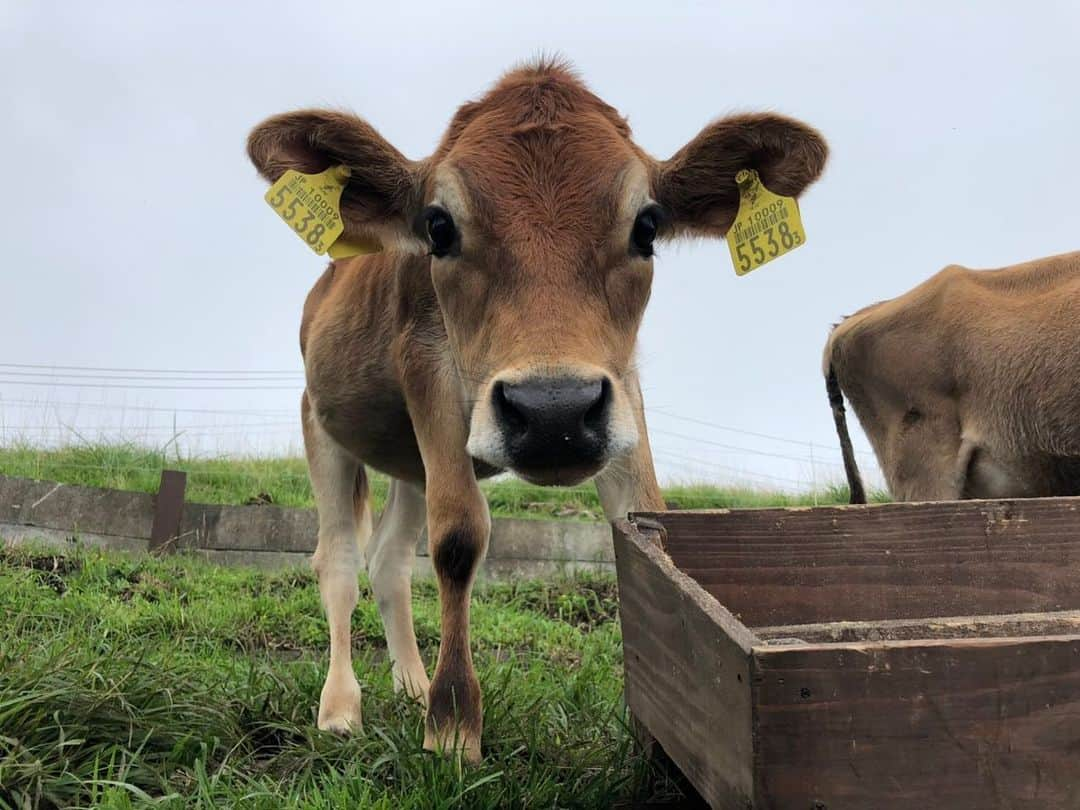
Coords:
596,415
509,415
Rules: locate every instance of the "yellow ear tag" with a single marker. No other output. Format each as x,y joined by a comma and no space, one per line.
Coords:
766,227
310,204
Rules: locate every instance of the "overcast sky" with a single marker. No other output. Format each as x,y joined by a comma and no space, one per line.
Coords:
135,235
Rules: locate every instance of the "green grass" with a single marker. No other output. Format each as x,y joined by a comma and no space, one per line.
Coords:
126,682
284,481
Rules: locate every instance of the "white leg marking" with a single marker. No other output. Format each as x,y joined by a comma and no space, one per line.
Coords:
337,561
390,560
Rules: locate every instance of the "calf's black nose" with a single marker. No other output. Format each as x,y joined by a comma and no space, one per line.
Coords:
553,422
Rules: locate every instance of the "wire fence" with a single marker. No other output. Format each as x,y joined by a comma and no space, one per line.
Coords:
56,369
761,459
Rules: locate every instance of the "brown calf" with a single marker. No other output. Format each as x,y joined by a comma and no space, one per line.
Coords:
496,332
968,386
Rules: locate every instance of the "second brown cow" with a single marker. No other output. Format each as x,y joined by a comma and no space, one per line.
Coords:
968,386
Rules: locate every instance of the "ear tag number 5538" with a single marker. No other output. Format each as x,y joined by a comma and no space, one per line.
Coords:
766,227
310,204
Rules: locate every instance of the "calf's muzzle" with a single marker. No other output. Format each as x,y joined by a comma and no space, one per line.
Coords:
550,424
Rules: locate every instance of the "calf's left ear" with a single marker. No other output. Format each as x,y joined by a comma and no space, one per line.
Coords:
696,186
382,196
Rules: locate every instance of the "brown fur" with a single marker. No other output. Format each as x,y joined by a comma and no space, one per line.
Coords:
399,348
967,385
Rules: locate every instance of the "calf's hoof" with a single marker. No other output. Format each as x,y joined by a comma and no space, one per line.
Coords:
451,739
414,684
339,705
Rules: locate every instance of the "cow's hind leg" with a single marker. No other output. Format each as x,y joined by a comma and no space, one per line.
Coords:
341,496
390,559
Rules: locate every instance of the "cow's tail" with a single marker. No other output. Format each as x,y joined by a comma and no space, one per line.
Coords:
836,400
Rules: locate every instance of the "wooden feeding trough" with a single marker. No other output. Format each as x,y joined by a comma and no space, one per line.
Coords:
892,656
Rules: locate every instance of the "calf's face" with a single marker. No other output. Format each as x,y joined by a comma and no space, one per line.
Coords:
542,286
540,216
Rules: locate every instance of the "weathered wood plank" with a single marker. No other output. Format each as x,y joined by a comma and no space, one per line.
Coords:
542,545
264,527
75,509
12,534
519,539
1012,625
889,561
687,664
976,723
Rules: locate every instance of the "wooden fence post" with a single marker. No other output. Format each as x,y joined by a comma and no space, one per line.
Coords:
168,509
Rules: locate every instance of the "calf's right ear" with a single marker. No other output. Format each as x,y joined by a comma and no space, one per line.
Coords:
696,186
382,197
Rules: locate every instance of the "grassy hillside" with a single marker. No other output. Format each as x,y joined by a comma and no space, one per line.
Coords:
128,681
284,481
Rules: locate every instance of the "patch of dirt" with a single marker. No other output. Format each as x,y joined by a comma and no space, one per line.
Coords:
150,586
284,583
585,604
130,581
565,658
566,510
51,568
248,640
137,582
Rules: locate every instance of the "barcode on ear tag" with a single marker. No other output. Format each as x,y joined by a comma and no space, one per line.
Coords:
766,227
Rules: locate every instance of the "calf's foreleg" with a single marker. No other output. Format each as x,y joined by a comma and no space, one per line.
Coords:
459,526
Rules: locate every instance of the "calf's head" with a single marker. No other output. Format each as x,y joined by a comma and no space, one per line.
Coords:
540,215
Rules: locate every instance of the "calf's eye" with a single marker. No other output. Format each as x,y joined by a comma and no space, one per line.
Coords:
644,233
441,231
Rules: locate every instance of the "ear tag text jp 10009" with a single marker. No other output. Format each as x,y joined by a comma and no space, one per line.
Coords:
766,227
